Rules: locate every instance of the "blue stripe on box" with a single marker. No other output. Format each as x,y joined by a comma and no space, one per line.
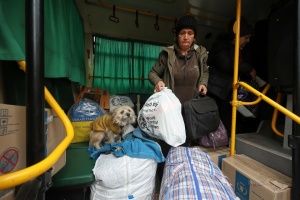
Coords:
220,160
242,186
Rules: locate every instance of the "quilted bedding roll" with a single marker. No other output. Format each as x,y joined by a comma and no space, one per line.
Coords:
190,174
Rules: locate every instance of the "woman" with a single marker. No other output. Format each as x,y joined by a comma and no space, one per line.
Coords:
182,67
221,64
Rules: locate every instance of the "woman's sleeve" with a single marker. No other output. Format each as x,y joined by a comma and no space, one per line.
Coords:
157,71
205,69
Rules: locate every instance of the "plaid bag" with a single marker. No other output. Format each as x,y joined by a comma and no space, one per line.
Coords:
190,174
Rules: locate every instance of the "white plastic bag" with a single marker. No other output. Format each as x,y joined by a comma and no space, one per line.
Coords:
161,118
123,178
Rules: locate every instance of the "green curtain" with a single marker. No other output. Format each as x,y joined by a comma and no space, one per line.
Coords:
112,67
63,35
144,58
12,30
122,66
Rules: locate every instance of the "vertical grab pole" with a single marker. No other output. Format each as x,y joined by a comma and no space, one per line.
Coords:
34,81
35,102
235,76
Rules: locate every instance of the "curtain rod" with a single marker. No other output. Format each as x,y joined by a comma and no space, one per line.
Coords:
91,76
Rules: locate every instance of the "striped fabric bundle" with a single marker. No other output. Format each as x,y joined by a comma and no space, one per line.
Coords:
190,174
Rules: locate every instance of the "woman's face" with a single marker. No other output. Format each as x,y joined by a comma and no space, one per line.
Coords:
186,38
244,40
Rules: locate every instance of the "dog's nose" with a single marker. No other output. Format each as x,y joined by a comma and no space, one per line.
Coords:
128,114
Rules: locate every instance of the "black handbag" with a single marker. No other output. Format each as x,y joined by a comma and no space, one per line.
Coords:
201,116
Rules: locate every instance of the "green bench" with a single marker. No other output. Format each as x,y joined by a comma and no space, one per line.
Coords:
77,173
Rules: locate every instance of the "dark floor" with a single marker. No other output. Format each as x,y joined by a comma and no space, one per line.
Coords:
75,194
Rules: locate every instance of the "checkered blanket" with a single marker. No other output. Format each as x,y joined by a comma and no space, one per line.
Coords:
190,174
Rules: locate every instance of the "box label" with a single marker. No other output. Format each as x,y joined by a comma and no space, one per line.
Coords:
8,160
3,121
242,186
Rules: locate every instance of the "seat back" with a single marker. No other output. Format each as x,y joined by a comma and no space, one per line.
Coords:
281,50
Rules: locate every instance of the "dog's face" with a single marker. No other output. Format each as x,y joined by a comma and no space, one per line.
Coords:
123,115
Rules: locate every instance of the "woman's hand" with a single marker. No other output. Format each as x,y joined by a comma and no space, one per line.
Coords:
202,89
159,86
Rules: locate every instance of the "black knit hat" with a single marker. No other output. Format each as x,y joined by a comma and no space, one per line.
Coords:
245,28
187,22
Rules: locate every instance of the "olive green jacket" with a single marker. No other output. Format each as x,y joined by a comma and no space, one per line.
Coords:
164,71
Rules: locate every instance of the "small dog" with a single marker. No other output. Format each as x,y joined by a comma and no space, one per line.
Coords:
108,127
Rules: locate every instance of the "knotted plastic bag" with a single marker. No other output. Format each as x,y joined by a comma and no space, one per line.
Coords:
161,118
81,115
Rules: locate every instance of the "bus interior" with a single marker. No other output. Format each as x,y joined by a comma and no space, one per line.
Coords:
274,142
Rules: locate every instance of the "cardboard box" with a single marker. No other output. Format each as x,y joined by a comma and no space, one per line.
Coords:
13,138
216,154
255,181
55,135
98,95
8,194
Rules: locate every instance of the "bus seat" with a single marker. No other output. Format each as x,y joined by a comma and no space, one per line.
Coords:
281,42
74,179
77,173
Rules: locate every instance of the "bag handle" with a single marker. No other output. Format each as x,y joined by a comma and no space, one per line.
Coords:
199,95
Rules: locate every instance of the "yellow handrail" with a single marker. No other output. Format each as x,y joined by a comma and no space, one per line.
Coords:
19,177
242,103
275,116
274,104
275,113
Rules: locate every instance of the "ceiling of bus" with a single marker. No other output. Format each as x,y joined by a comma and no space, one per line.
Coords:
212,17
208,12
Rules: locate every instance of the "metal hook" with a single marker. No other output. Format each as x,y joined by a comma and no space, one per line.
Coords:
175,23
113,17
156,23
137,18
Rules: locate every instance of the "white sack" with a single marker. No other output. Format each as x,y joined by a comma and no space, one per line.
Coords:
161,118
123,178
